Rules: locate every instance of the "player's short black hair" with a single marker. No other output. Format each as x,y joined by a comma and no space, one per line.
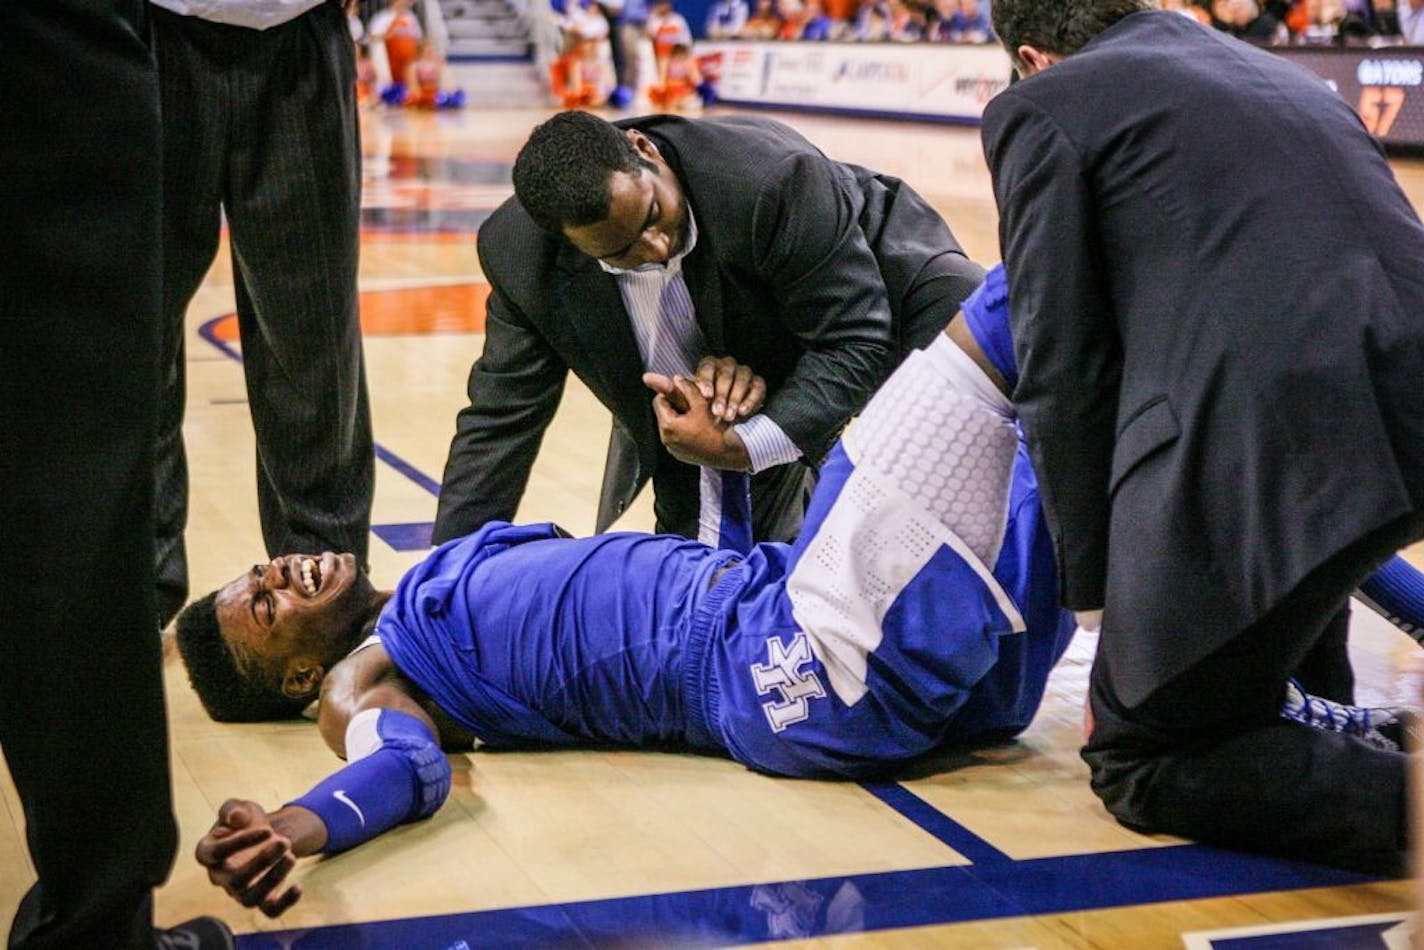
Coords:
1057,26
225,692
562,173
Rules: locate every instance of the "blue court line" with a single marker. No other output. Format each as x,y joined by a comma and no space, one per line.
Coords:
407,469
414,536
854,904
936,823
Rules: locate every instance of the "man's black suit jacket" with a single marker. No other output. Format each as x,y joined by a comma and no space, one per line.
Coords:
817,274
1217,292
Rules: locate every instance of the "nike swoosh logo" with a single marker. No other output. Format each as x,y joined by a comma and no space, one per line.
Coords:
340,795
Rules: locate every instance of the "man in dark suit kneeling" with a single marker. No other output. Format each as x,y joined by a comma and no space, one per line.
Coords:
1217,296
731,249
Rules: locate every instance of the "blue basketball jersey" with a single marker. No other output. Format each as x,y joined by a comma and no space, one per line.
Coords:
526,637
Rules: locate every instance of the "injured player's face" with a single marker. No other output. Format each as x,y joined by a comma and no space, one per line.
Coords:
297,605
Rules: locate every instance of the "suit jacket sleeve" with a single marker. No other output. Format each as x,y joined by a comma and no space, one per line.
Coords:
514,390
1065,335
810,249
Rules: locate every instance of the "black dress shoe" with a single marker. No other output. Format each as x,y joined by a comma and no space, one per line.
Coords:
200,933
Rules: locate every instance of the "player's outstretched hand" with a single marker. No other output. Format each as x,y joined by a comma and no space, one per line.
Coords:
735,392
689,430
247,857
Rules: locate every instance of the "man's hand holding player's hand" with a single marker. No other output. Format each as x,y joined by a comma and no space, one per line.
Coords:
695,418
735,392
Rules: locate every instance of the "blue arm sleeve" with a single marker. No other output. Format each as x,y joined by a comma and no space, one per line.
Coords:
404,779
1397,592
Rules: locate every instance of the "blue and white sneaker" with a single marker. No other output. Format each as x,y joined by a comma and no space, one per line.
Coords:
1379,726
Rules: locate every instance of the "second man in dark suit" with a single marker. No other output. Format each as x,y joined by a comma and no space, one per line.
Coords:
649,244
1216,294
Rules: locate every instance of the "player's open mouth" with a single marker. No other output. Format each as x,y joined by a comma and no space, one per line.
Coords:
311,576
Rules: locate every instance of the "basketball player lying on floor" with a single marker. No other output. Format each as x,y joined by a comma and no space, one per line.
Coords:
918,607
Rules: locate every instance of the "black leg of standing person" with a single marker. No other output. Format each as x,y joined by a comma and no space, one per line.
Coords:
263,124
81,692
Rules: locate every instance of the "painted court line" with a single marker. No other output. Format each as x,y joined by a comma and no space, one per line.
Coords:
855,904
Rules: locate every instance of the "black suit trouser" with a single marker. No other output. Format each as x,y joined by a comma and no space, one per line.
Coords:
1209,757
262,125
82,719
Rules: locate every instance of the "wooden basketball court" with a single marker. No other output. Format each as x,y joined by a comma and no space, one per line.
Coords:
1004,847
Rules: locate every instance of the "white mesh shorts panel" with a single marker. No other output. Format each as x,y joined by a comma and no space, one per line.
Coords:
874,541
932,469
944,449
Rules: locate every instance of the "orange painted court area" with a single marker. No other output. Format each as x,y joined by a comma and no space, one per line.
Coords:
411,311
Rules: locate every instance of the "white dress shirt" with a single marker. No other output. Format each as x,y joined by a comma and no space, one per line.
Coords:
254,14
1411,22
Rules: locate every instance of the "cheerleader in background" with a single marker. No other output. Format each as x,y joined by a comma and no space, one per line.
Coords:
578,77
679,77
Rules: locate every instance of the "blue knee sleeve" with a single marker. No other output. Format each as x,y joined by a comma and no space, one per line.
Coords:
987,313
1397,592
405,778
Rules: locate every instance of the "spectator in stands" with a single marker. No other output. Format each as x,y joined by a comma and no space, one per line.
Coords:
666,29
726,18
969,23
365,77
1307,25
806,22
630,19
678,79
1386,18
399,29
1357,21
1245,20
1327,20
906,24
584,18
578,77
1411,21
792,13
1185,7
816,24
764,24
872,22
427,81
353,22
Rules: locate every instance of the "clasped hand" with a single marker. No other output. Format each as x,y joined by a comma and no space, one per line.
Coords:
249,858
696,417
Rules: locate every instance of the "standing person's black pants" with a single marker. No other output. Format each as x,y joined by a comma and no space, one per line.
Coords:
1209,756
81,694
261,125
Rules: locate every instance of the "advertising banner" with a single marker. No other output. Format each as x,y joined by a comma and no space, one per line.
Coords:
1384,86
934,82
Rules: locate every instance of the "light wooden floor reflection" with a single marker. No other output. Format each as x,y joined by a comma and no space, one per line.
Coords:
526,829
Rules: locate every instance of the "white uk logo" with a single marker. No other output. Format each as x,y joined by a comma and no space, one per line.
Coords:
782,674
